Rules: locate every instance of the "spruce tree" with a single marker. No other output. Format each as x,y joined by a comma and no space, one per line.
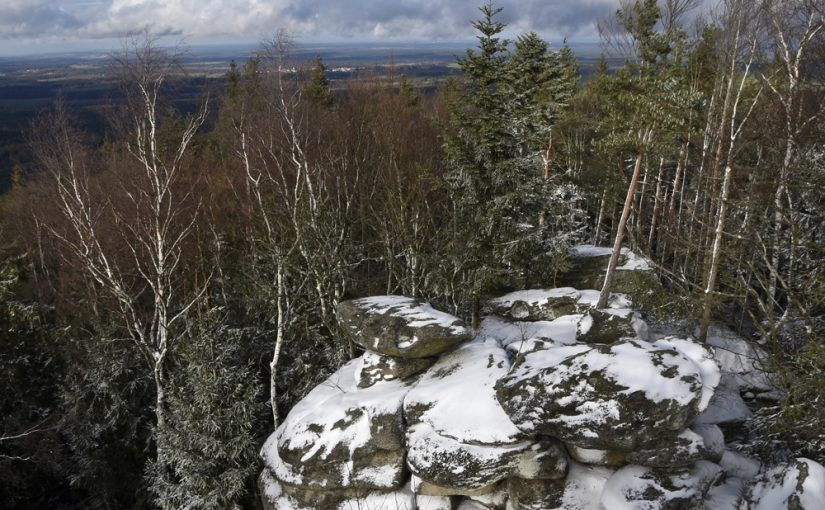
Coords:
317,90
500,124
215,403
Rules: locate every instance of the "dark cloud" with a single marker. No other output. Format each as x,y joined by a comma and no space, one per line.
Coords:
308,19
444,19
34,18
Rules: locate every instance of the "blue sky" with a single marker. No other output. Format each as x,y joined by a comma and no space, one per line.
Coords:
32,26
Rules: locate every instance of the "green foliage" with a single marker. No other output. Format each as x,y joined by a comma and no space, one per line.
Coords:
497,153
640,21
317,89
207,454
796,426
407,91
108,404
31,454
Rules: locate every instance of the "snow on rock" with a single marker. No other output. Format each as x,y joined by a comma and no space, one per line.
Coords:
519,336
726,406
376,367
469,504
597,457
683,450
610,397
402,499
726,491
429,501
798,485
400,326
740,358
629,260
549,304
609,326
277,496
713,440
583,487
635,487
340,436
456,396
431,417
458,435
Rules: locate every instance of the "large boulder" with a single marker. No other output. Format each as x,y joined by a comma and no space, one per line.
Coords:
611,397
798,485
458,435
610,326
549,304
341,436
726,407
634,275
635,487
400,326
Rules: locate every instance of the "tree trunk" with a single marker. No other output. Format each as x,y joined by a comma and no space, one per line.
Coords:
617,245
600,218
657,207
716,255
279,342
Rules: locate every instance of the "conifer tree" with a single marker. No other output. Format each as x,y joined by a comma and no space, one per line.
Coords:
317,90
215,403
500,125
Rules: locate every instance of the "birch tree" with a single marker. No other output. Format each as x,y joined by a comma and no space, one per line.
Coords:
140,277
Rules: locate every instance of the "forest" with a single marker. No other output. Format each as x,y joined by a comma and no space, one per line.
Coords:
169,294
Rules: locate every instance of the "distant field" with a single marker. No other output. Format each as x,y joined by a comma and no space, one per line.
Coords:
86,82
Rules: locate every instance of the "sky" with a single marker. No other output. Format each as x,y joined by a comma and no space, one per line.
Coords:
42,26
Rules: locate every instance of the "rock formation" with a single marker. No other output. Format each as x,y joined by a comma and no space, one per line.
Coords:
550,404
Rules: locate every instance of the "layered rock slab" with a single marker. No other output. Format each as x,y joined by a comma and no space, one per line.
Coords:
341,436
609,397
400,326
458,435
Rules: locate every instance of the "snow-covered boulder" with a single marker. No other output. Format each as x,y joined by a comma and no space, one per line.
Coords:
549,304
610,326
636,487
583,487
726,491
610,397
726,406
798,485
536,305
342,436
400,326
376,367
744,361
713,439
459,436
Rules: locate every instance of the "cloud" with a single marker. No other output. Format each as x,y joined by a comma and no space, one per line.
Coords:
27,18
309,19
